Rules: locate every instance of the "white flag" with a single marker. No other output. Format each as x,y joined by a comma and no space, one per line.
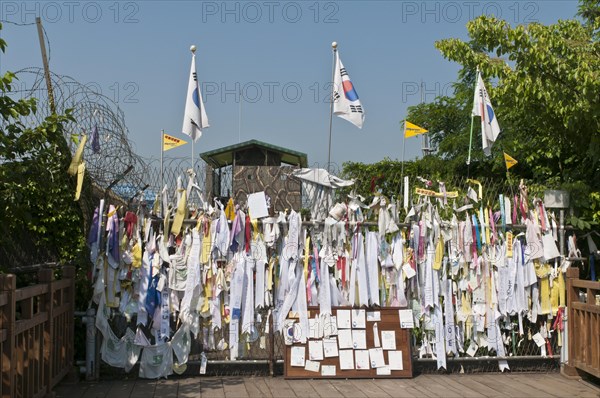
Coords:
345,99
482,106
194,119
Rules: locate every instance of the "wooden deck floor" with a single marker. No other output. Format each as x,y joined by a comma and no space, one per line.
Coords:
473,385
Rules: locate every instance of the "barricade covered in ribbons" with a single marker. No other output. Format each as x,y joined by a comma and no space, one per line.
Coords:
481,279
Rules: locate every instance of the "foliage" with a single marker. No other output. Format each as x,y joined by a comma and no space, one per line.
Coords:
37,210
546,98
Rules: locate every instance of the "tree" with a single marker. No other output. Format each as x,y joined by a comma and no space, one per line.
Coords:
39,221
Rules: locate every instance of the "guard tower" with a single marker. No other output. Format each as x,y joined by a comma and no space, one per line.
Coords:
254,166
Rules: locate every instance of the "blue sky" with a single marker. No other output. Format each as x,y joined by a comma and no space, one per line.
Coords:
278,53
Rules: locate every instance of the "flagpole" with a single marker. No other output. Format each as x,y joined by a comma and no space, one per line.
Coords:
472,121
193,50
162,140
403,147
334,47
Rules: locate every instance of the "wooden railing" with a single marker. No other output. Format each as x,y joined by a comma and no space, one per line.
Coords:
584,325
36,333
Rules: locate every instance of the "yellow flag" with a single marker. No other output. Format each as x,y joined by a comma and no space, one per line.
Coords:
510,161
170,142
410,129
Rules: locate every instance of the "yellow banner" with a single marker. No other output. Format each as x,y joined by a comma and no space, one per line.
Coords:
170,142
509,160
427,192
410,129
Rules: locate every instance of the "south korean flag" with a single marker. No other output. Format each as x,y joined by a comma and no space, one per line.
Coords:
345,99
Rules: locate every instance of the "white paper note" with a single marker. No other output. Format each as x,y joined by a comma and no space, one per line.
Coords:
359,339
376,357
297,357
315,350
384,371
328,370
343,319
362,359
472,349
539,340
373,316
330,347
550,249
346,359
359,319
376,341
388,339
406,319
312,366
257,204
345,338
408,271
395,360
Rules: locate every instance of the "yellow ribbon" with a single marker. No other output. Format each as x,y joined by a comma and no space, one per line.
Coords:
80,174
439,254
180,214
77,157
479,185
230,210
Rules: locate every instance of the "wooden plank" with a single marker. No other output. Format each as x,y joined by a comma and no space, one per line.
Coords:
586,284
62,309
280,388
143,389
399,388
71,391
30,291
3,299
61,284
505,385
121,388
166,388
26,324
257,387
324,388
436,388
303,389
189,387
346,389
589,308
369,388
234,387
98,389
481,389
555,384
211,387
451,384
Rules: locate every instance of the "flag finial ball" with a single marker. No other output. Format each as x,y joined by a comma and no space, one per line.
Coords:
193,48
334,44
